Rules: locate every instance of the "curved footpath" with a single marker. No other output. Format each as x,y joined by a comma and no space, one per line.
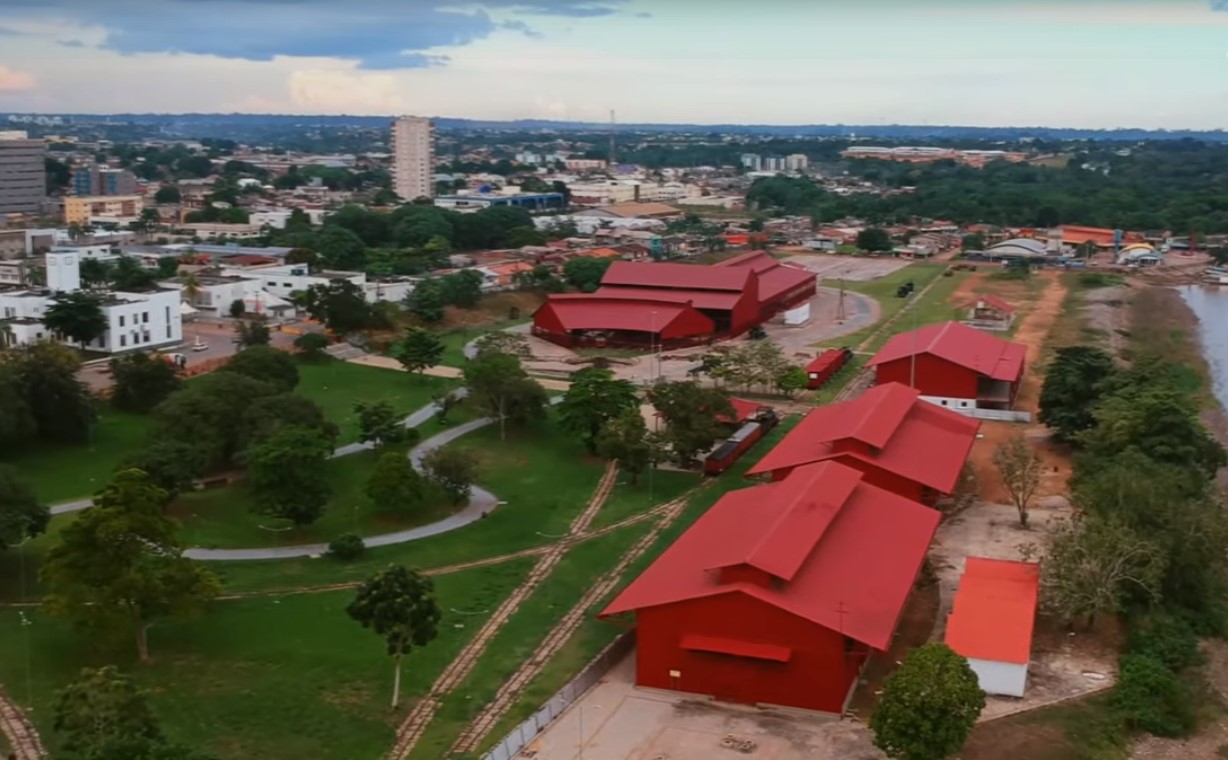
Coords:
481,501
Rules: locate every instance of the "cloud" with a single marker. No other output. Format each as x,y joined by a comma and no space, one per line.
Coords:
71,43
378,34
15,81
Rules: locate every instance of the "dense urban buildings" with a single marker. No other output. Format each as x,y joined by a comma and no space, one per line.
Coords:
413,157
103,180
23,180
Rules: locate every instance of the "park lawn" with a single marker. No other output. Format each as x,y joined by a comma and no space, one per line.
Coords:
656,487
522,634
227,518
337,386
542,473
64,473
883,290
272,678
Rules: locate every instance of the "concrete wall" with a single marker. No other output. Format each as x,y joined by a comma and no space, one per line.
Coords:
1005,678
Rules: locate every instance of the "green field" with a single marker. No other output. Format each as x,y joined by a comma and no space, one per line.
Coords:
272,678
336,386
883,290
654,488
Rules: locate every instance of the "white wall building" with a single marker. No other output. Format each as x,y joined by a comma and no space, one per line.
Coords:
275,218
413,162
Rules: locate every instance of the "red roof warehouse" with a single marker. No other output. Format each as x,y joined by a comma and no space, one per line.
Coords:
899,441
953,365
777,594
732,297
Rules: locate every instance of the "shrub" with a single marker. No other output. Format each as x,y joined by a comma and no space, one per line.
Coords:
1149,697
312,346
1100,280
346,547
1166,638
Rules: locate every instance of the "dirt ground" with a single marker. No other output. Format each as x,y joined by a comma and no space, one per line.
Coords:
852,268
1106,312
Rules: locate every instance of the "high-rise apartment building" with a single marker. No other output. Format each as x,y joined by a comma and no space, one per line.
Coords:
23,178
103,180
797,162
413,157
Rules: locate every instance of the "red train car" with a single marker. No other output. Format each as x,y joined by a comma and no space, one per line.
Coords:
723,456
826,365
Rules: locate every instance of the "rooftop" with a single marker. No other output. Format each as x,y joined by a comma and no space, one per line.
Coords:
958,344
995,610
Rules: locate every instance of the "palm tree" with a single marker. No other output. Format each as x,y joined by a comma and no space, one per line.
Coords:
191,288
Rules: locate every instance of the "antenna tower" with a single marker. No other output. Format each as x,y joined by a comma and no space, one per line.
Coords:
611,138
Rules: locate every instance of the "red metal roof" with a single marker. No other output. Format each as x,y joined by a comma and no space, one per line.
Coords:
587,313
993,301
756,260
700,299
959,344
904,435
775,278
846,552
995,610
655,275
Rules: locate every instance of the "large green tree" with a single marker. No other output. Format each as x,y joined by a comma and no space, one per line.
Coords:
289,476
626,440
453,470
692,415
119,566
1159,421
266,364
142,381
210,414
418,350
594,398
60,405
585,272
17,423
341,305
499,385
76,316
928,707
21,514
874,239
399,606
426,300
174,466
395,486
1073,385
462,289
379,424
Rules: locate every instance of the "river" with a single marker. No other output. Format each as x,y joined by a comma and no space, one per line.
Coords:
1210,304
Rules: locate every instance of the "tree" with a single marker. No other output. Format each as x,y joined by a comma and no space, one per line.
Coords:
1159,421
289,476
594,398
453,470
171,465
584,272
973,242
1150,697
929,705
266,364
21,514
399,606
119,565
498,383
426,301
253,332
691,415
311,346
60,406
1071,389
341,306
208,414
131,275
625,439
142,381
462,289
395,486
167,194
791,381
76,316
17,423
94,273
266,416
1019,467
874,239
502,342
340,248
419,350
379,423
148,221
1093,563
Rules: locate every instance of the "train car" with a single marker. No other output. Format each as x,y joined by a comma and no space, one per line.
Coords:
826,365
723,456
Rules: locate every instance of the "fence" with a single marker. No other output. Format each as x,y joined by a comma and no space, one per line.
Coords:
1001,415
521,735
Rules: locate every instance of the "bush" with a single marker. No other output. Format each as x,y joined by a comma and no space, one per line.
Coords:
1092,280
346,547
1166,638
1149,697
312,346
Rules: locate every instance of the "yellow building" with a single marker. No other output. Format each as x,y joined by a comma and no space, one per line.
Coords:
87,209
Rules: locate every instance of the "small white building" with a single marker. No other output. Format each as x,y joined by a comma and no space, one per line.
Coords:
992,620
286,279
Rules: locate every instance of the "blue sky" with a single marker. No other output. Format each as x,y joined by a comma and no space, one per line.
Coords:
1090,63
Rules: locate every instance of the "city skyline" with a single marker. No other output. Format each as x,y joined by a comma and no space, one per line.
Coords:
1086,64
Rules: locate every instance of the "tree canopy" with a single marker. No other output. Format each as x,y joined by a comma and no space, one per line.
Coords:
399,606
928,706
594,398
76,316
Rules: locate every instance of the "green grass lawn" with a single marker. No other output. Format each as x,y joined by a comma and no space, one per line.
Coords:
272,678
336,386
226,518
62,473
522,633
883,290
627,500
543,474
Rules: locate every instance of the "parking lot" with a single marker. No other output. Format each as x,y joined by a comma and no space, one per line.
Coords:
852,268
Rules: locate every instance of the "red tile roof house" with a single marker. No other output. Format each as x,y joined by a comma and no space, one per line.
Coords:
989,313
778,594
992,620
953,365
901,443
731,298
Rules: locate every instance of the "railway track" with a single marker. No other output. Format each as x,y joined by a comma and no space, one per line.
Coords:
416,722
557,637
22,737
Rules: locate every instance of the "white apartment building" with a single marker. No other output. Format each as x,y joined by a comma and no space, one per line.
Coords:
796,162
143,320
413,157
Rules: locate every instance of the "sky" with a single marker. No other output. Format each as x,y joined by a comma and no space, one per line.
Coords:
1075,63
